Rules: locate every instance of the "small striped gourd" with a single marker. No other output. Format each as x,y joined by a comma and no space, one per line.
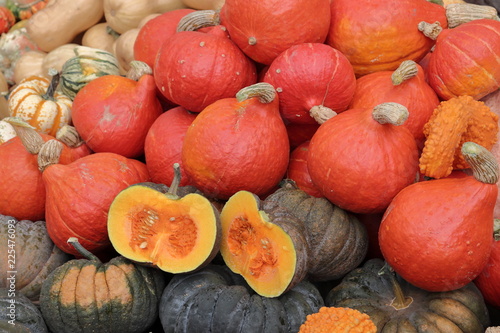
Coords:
88,64
36,101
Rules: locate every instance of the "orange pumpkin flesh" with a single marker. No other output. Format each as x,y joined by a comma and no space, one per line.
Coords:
265,253
175,234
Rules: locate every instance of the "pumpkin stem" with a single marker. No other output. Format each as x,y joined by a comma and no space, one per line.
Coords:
430,30
459,13
496,229
482,162
390,113
406,70
400,301
112,32
138,69
73,241
198,19
263,90
49,154
31,139
176,181
49,94
437,2
321,113
69,136
288,184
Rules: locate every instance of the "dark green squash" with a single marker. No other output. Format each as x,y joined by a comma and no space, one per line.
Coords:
85,295
215,300
337,240
34,255
396,306
18,314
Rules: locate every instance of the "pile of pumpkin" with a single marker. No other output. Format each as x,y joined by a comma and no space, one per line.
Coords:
249,166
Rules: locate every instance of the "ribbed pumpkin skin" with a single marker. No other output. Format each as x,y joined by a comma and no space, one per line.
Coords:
154,32
437,234
163,145
359,164
27,101
36,255
466,61
216,300
83,68
233,146
337,240
22,192
194,69
379,35
79,195
28,317
89,296
275,25
114,113
414,93
308,75
365,289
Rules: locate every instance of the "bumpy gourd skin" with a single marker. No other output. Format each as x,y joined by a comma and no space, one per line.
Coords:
215,300
453,122
332,319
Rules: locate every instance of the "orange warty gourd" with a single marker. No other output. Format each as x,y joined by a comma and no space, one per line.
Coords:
437,234
336,319
453,122
237,144
360,159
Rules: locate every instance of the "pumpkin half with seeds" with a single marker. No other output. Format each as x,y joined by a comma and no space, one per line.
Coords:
172,228
86,295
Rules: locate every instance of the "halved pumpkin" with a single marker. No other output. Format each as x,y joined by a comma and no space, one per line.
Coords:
176,234
267,248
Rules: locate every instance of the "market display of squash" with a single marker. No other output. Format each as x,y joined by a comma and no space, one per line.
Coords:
293,166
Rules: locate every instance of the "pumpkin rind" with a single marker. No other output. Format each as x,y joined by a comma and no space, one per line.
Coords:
220,301
369,291
89,296
337,241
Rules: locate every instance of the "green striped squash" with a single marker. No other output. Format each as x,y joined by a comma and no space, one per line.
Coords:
88,64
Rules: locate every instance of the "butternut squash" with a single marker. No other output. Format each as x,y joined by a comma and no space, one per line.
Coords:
123,15
62,20
204,4
30,63
100,36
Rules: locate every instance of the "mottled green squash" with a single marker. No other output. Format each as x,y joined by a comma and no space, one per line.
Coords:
18,314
